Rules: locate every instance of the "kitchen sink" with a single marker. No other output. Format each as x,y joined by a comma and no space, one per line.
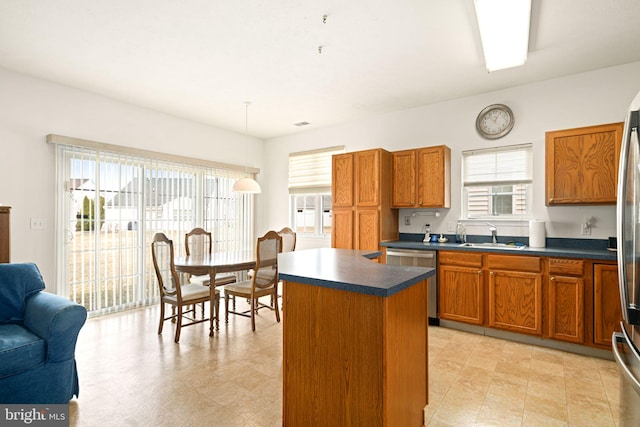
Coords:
493,246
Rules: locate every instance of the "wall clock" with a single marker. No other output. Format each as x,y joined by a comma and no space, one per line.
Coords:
495,121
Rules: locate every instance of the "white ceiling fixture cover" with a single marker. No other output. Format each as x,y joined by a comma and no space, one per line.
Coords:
504,31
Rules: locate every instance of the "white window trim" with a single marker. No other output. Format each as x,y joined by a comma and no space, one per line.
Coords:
319,234
525,178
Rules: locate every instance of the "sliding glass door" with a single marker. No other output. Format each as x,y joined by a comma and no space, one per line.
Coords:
110,205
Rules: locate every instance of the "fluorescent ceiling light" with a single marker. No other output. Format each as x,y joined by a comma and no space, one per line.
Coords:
504,32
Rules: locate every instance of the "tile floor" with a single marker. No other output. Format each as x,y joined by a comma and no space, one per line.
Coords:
130,376
482,381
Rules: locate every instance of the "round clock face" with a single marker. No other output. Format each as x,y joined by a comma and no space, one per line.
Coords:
495,121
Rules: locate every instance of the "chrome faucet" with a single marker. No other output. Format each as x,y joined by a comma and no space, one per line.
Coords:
494,233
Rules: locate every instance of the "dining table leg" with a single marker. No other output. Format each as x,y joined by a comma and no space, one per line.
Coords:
213,307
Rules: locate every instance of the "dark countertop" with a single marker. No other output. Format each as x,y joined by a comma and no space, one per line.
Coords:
348,270
601,254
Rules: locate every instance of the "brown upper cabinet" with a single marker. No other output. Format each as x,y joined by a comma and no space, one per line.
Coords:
361,194
422,178
342,185
369,169
582,165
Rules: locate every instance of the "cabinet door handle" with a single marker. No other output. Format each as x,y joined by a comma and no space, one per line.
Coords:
492,273
552,278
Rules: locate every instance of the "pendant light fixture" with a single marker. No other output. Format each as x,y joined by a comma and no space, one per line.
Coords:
246,184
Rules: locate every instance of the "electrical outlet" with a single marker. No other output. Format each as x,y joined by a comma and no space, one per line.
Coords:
451,227
586,229
407,220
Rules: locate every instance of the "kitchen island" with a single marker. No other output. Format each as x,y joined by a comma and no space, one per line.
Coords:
355,339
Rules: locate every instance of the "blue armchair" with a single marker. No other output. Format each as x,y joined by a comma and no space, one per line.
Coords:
38,334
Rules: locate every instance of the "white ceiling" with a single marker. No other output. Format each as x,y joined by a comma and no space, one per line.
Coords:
202,59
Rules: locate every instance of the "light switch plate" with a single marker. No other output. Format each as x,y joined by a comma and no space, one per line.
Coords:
38,223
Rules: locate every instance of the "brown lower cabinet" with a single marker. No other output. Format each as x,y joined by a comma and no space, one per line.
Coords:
607,312
515,301
572,300
461,287
515,293
566,299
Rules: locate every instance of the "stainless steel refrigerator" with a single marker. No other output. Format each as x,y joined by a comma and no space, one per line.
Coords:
626,344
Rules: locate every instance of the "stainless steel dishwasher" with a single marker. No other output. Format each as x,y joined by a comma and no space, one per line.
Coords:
419,258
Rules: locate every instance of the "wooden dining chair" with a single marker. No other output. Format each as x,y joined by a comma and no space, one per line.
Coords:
173,292
288,245
198,242
263,282
288,239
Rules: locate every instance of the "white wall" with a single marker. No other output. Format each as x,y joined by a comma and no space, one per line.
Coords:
32,108
592,98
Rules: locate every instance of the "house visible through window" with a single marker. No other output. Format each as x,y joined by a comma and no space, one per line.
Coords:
497,182
310,191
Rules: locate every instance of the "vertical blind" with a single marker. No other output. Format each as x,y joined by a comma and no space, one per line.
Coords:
110,204
310,171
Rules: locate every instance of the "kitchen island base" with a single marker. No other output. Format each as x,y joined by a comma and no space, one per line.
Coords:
354,359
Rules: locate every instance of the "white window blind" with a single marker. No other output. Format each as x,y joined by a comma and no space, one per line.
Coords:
512,164
310,171
497,182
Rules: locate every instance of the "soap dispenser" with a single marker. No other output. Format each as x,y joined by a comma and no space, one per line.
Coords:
427,233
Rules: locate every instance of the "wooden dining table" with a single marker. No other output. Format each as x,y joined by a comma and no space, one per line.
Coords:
212,264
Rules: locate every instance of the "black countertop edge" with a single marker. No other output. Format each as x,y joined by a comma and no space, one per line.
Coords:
552,242
358,288
348,270
598,254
